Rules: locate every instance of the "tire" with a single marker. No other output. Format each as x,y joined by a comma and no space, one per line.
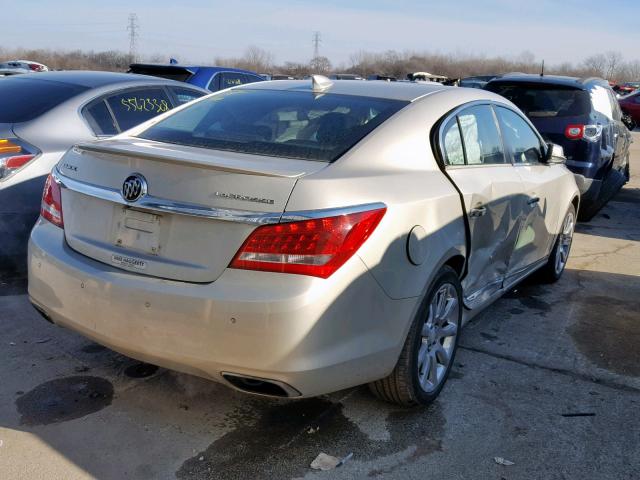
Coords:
553,269
404,386
628,121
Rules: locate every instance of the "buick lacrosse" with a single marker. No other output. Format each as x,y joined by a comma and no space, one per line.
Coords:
294,238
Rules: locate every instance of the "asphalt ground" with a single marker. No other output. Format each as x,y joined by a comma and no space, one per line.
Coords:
547,378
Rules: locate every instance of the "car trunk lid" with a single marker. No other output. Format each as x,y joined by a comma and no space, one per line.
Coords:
199,207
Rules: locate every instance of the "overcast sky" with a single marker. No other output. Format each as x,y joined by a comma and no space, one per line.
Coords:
198,30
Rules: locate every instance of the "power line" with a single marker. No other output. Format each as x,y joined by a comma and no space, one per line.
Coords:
132,28
317,40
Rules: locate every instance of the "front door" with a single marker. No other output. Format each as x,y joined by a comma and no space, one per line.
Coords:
491,193
537,232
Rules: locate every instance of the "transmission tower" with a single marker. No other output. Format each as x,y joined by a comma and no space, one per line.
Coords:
132,28
317,40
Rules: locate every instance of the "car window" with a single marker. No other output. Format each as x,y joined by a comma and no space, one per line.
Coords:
133,107
544,100
482,142
185,95
23,98
615,107
290,124
100,119
453,149
252,78
601,102
231,79
522,142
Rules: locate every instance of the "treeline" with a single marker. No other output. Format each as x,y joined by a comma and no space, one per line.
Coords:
609,65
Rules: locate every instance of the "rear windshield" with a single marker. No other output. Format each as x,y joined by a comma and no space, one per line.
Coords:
540,100
288,124
23,99
169,72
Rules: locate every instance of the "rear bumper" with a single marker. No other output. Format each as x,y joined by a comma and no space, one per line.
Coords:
589,189
314,335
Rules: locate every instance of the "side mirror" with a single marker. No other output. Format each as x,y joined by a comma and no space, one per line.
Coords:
554,154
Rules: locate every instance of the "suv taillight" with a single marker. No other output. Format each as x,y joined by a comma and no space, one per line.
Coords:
591,133
14,154
316,247
51,206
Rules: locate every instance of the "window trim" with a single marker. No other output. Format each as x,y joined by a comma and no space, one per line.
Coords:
454,114
104,96
533,128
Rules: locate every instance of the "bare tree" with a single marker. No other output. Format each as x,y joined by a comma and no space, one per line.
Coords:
320,65
613,64
596,64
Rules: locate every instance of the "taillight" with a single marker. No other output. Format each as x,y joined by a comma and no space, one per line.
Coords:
14,154
51,207
591,133
316,247
574,132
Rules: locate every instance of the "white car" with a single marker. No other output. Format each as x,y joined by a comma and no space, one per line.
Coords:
294,238
24,65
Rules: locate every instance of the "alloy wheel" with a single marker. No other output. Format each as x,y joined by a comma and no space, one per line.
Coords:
438,337
564,242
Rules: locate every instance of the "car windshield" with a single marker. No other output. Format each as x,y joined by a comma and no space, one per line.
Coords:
24,99
544,100
290,124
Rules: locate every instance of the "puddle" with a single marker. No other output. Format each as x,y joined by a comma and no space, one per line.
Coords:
607,332
64,399
272,440
140,370
527,294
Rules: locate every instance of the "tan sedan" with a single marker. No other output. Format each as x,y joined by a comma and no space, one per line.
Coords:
294,238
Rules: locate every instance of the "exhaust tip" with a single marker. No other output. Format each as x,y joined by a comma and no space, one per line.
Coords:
260,386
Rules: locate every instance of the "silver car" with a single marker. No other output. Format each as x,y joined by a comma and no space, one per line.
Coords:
43,115
294,238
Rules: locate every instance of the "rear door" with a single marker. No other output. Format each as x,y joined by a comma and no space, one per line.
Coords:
491,191
540,183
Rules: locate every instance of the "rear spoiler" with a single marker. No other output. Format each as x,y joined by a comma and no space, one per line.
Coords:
171,72
222,161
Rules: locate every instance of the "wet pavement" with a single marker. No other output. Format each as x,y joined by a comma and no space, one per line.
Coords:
548,377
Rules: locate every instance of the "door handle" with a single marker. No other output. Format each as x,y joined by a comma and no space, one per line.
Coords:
533,201
478,212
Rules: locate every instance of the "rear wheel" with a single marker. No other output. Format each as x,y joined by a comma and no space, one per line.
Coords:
430,347
628,121
552,271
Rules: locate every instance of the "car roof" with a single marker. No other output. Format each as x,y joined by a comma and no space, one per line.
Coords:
582,83
90,79
192,68
407,91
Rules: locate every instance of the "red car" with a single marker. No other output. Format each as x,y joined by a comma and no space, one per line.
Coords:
630,106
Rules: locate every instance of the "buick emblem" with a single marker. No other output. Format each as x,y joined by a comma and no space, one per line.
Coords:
134,187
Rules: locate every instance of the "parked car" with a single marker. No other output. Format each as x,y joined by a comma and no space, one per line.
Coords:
7,72
387,78
630,105
345,76
210,78
583,116
477,81
27,65
295,238
43,115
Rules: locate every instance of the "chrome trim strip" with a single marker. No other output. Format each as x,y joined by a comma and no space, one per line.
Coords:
163,205
296,216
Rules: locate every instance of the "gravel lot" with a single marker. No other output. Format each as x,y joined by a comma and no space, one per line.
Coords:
548,378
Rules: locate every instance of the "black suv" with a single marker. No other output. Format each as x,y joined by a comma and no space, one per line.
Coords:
582,116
